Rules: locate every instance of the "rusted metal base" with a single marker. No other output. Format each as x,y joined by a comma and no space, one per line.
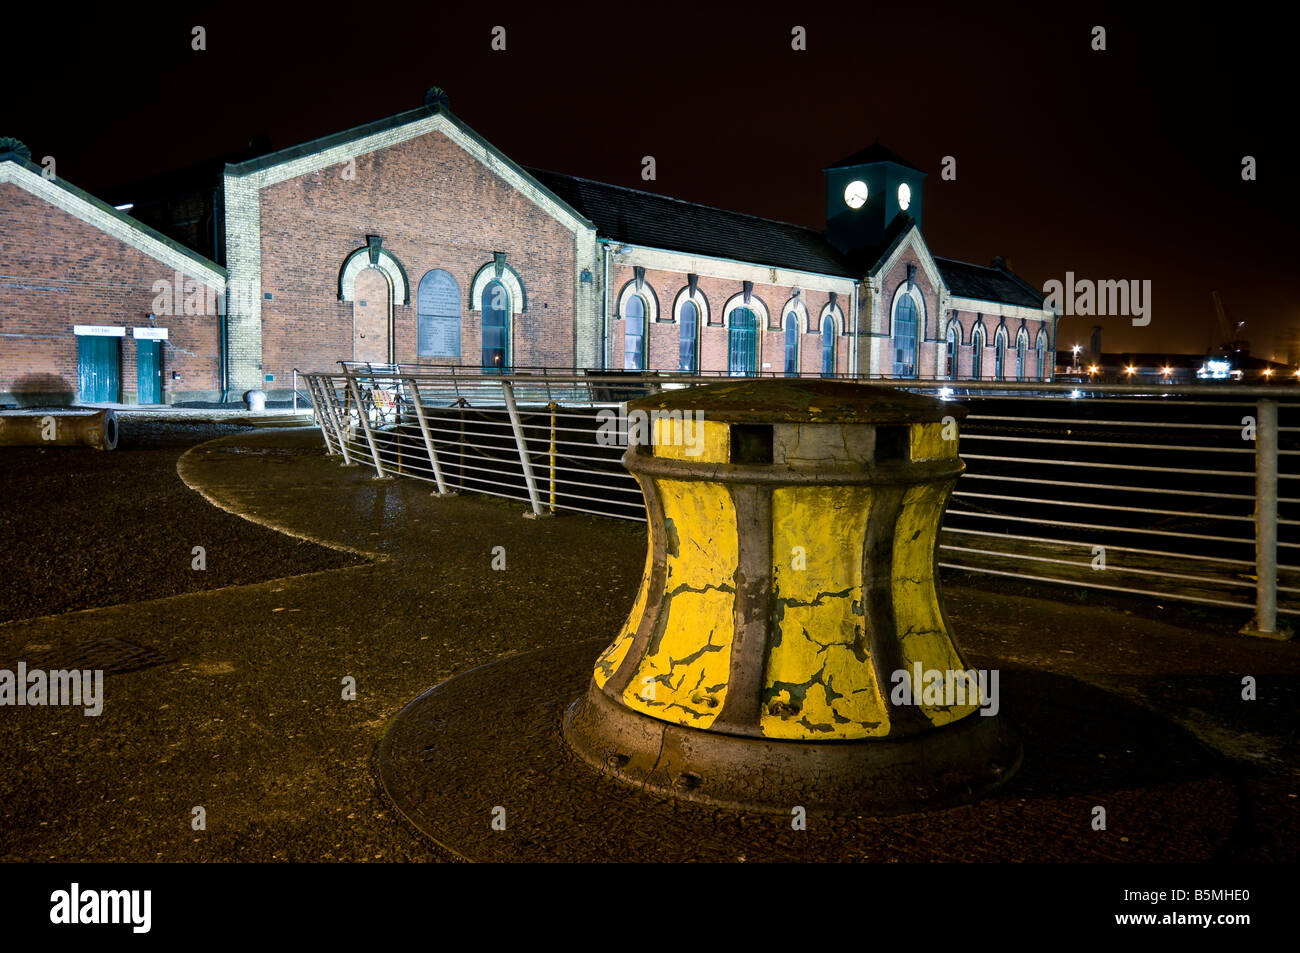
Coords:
934,769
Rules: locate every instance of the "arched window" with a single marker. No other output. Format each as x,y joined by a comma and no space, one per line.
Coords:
1022,347
905,327
1000,355
634,334
977,353
828,346
950,359
792,345
742,343
1042,356
688,328
496,327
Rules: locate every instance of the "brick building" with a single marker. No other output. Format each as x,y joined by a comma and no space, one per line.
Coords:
412,240
93,304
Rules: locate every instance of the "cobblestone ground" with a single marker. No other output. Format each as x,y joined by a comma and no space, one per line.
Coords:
225,687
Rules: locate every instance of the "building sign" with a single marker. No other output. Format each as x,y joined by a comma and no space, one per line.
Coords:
438,315
98,331
149,334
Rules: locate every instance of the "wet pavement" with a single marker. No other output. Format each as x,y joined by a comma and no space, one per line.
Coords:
231,697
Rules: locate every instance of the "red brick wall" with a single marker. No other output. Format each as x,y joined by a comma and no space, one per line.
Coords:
56,271
966,353
435,207
663,348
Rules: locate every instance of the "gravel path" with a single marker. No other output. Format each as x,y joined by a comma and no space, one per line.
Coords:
81,529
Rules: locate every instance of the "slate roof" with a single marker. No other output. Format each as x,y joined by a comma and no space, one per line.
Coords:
872,153
987,284
644,218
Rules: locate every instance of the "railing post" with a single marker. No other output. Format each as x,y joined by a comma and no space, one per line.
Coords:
508,390
365,425
553,406
1265,621
322,418
332,401
428,440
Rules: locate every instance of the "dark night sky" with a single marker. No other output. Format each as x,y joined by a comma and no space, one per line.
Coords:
1122,164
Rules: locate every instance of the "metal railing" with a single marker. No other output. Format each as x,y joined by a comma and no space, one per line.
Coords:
1170,492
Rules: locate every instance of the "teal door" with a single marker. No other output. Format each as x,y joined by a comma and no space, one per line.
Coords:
148,365
97,369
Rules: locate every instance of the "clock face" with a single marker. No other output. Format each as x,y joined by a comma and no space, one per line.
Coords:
855,195
904,196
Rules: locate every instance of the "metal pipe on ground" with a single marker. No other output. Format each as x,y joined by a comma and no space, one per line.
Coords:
59,429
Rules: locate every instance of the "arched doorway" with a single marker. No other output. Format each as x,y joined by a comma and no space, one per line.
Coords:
371,315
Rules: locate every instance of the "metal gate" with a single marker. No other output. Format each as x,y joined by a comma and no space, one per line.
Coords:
97,369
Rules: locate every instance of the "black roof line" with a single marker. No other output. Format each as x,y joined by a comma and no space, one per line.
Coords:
671,198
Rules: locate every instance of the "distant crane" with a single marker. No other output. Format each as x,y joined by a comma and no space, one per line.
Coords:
1231,343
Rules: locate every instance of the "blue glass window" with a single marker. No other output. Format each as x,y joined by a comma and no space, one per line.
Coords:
634,334
689,335
792,345
496,315
905,337
742,343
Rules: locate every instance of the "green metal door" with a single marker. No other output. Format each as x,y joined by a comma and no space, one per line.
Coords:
97,369
148,364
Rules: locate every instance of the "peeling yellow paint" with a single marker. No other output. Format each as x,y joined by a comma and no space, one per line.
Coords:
927,442
920,624
613,656
819,682
673,440
682,677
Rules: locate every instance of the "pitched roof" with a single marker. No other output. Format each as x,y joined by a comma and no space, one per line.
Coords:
61,193
872,153
987,284
644,218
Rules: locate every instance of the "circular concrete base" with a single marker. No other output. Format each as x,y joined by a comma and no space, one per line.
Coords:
479,764
938,768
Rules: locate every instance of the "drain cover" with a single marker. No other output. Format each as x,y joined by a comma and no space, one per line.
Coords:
113,656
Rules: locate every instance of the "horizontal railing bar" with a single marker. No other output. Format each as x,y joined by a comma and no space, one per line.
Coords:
1103,528
1107,443
1094,585
1108,546
1110,486
1203,579
1106,506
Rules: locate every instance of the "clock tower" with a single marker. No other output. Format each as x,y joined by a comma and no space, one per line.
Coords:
865,192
